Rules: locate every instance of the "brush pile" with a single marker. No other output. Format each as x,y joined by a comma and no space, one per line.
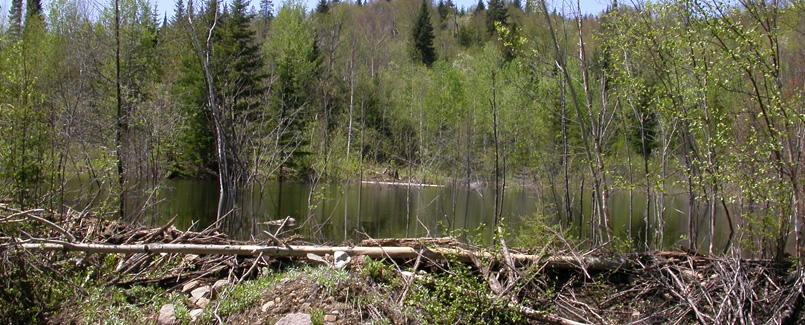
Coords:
563,287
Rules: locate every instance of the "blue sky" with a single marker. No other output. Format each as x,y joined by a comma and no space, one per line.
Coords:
166,6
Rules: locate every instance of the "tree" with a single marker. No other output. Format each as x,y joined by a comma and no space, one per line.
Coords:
496,14
480,7
423,50
266,9
322,7
15,19
295,63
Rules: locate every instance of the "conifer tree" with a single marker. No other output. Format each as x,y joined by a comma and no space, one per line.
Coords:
15,19
480,6
423,50
241,56
323,7
266,9
179,12
497,13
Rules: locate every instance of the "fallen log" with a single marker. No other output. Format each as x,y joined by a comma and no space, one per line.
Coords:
434,253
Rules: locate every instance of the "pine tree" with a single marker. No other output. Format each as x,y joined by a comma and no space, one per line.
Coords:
15,19
423,37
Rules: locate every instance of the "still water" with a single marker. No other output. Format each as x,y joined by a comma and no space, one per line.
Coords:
333,213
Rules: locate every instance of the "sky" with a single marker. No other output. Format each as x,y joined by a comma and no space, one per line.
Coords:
166,6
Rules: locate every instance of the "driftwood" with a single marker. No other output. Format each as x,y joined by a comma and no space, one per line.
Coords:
436,253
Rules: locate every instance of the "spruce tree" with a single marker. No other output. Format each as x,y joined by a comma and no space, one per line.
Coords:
266,9
242,64
480,6
323,7
423,50
497,13
15,19
178,12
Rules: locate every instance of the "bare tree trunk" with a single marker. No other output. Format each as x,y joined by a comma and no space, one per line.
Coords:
122,118
226,184
493,104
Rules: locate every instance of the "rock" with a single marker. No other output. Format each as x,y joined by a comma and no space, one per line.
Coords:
200,292
316,258
167,315
341,259
277,300
187,287
202,302
295,319
330,318
219,286
267,306
195,313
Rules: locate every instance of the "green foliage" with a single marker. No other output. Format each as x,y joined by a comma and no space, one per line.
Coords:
423,50
244,296
459,296
25,134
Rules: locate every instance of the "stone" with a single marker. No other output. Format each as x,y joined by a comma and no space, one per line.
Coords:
295,319
189,286
277,300
219,286
195,313
200,292
167,315
330,318
202,302
267,306
341,259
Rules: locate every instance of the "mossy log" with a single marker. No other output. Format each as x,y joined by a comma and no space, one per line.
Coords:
434,253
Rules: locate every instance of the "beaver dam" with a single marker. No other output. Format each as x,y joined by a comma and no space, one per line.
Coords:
77,268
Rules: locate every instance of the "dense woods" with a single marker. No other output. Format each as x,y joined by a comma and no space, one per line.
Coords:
701,100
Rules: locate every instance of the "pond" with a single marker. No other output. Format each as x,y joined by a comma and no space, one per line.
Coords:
337,212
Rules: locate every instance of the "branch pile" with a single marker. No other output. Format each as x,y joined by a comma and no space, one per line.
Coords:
578,287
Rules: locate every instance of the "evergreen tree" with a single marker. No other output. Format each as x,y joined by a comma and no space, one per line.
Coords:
480,7
497,13
242,64
178,12
266,9
15,19
295,59
443,10
34,9
423,50
323,7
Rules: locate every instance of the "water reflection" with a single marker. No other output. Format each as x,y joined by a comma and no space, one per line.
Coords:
343,211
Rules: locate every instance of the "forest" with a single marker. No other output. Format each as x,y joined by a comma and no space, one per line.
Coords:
695,99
